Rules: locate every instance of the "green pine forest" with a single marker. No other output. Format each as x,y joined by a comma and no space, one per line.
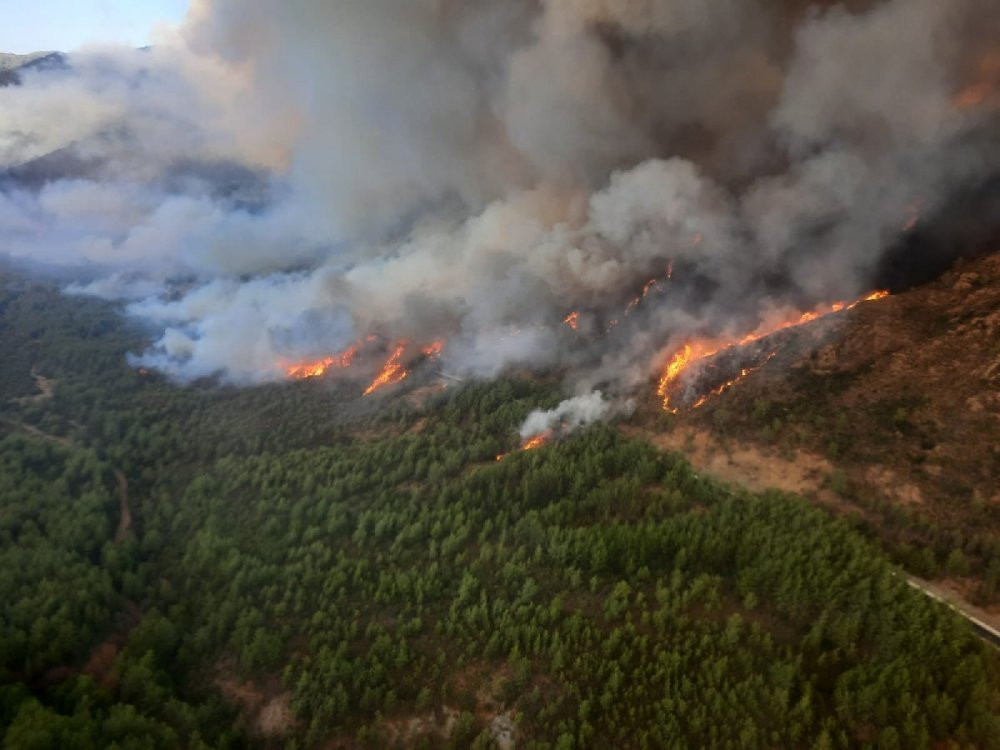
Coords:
369,565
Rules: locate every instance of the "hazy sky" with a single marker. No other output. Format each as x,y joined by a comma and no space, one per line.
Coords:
65,25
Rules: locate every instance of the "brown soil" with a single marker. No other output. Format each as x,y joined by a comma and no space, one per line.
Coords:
45,388
755,467
481,680
759,468
406,731
124,514
902,395
894,404
266,703
34,431
101,662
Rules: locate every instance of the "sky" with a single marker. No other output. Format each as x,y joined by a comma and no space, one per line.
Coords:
65,25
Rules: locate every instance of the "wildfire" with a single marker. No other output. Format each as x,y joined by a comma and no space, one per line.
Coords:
433,351
535,442
697,350
977,92
573,319
392,371
973,95
913,217
645,292
746,371
881,294
316,368
529,444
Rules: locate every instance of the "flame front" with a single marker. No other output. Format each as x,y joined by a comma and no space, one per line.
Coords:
433,351
535,442
529,444
987,79
744,373
639,298
572,320
697,350
315,368
881,294
392,371
682,359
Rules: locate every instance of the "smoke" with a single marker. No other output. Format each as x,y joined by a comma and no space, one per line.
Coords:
274,181
572,413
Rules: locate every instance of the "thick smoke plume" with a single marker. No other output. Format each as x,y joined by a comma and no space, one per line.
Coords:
273,181
572,413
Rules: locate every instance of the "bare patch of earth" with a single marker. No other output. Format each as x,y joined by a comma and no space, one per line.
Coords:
757,468
45,388
760,468
267,704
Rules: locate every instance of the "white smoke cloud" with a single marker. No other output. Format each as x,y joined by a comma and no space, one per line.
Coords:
273,180
571,414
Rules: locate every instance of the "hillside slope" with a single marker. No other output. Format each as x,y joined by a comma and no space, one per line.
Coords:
289,569
889,412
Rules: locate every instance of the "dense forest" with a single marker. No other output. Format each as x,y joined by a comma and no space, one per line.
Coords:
294,566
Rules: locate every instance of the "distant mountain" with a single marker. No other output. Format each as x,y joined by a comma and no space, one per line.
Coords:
12,65
9,61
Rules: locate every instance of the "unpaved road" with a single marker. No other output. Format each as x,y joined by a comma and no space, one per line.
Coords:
125,515
124,512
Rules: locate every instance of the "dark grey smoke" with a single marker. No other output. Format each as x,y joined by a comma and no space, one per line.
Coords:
475,171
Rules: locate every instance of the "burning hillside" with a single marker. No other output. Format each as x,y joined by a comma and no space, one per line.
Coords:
889,412
697,353
394,369
606,189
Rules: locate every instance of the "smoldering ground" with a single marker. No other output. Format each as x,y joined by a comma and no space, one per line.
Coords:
273,181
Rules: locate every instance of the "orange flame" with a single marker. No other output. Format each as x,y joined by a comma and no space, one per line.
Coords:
978,91
697,350
744,373
681,360
645,292
433,350
529,444
536,442
316,368
973,95
392,371
912,217
572,320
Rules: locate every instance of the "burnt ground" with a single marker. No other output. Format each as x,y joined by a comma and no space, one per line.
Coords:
888,413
